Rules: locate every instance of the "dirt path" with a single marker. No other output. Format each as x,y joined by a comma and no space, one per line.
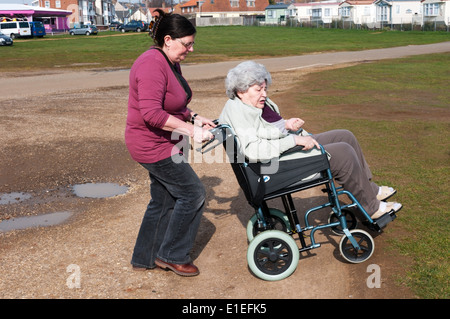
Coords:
53,141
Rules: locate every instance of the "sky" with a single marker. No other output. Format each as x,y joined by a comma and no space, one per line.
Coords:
16,1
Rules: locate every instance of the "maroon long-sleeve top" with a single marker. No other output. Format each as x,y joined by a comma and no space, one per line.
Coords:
154,94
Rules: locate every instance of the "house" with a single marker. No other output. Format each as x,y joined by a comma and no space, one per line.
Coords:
98,12
229,12
53,19
276,13
140,14
436,11
398,12
120,13
227,8
357,12
323,11
189,7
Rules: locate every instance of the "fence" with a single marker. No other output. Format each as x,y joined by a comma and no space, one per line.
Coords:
258,20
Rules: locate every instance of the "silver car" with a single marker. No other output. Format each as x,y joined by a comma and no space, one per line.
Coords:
84,29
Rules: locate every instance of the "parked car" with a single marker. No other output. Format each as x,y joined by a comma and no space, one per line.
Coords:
15,29
84,29
37,29
136,26
5,40
114,25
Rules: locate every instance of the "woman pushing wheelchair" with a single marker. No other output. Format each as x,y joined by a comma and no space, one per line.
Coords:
263,135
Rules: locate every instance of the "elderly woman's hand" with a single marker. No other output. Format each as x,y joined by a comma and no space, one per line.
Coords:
307,142
294,124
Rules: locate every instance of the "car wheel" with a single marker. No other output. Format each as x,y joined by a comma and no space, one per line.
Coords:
12,36
138,30
72,33
88,33
123,30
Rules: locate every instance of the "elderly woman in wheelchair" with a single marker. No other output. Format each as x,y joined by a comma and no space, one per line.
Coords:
274,157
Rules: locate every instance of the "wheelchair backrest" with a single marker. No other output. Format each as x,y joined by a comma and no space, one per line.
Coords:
257,179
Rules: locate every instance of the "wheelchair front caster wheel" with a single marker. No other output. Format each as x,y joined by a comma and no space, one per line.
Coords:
277,220
273,255
352,254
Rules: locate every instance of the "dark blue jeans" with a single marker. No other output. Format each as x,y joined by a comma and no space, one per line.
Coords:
173,214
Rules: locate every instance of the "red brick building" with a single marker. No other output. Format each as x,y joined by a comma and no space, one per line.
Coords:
98,12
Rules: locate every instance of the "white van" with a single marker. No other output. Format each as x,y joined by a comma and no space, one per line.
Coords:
15,29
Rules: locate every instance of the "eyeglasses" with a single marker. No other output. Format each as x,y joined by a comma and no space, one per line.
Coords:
186,45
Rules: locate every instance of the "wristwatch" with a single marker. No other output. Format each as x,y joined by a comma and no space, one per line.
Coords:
193,118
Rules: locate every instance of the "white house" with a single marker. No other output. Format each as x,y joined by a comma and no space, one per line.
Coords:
358,12
436,11
398,12
325,11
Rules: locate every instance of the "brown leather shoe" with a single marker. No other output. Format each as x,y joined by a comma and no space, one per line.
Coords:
186,270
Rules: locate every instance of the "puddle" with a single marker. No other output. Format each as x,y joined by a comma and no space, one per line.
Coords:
99,190
12,198
34,221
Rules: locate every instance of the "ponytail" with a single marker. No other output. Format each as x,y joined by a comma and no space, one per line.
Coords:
174,25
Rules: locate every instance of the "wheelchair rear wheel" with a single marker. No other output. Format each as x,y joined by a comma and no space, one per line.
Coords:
273,255
366,246
277,220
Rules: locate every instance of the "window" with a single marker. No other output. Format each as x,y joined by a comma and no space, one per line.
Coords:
431,9
317,13
250,3
345,11
383,13
271,14
58,4
327,12
234,3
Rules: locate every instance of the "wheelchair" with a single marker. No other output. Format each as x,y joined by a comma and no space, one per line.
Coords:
272,253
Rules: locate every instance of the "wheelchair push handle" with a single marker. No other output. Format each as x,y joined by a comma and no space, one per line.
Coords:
219,135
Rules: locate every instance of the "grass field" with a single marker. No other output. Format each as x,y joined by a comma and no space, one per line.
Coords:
116,50
399,110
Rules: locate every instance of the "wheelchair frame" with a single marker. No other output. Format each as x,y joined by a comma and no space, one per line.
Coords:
274,254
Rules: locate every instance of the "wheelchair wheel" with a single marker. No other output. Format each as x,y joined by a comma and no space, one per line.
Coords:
350,218
366,245
278,220
273,255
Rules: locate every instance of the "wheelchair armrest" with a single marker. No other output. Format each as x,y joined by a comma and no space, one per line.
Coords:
294,149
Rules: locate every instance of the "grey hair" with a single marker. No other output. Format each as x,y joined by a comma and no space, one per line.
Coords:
244,75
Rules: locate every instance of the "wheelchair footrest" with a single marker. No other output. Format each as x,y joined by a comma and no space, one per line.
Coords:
381,222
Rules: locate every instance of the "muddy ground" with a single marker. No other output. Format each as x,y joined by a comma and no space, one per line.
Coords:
51,142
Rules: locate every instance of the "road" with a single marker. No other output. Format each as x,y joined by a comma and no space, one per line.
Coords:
23,86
